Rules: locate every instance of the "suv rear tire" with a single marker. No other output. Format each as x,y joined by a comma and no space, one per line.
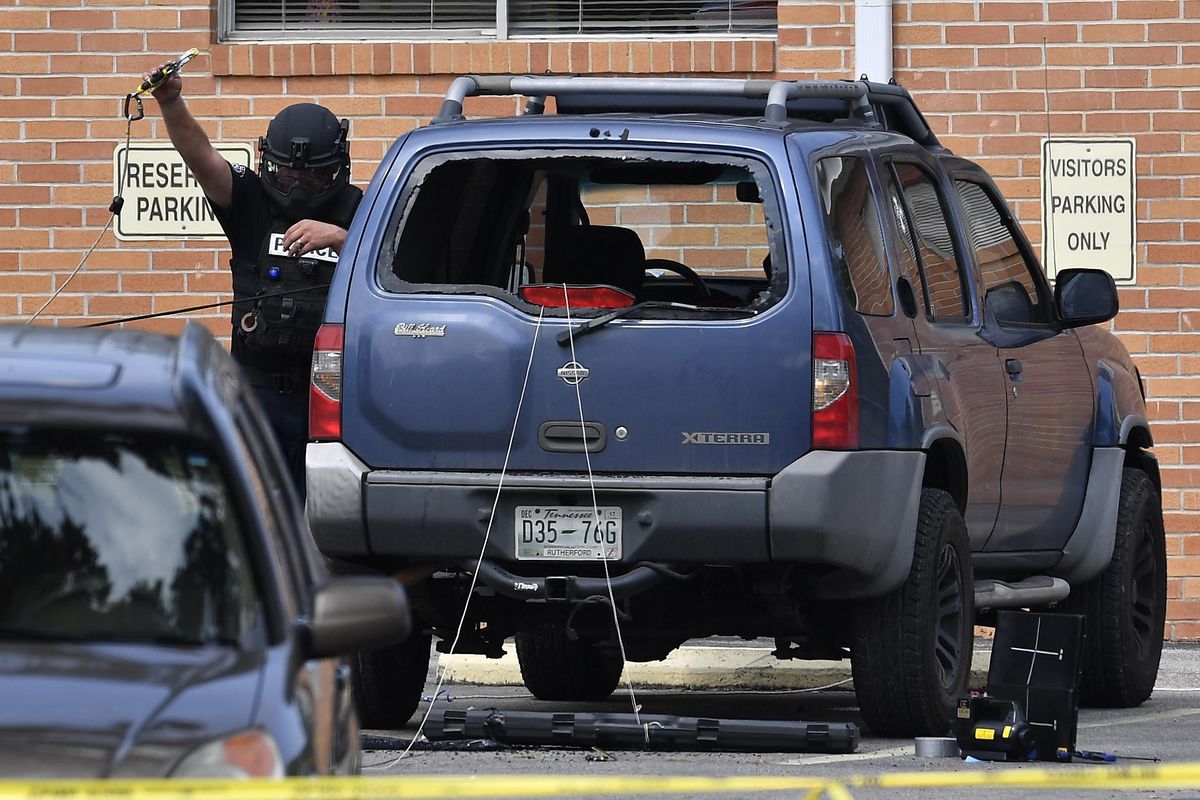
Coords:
554,667
387,683
911,651
1125,606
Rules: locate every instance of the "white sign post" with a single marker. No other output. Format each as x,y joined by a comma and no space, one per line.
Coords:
162,198
1088,206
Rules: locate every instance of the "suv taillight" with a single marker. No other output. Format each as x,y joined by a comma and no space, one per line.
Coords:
835,392
325,387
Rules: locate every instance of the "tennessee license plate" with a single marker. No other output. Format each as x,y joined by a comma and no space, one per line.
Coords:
568,533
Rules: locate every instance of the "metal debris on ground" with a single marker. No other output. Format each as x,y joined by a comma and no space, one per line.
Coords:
644,732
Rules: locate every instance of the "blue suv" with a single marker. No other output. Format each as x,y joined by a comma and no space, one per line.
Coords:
697,357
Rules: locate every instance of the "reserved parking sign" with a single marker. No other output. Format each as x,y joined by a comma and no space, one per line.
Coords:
162,198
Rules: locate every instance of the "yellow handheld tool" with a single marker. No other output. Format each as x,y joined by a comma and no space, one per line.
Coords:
160,75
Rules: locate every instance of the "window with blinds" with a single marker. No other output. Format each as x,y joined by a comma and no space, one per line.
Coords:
576,17
498,18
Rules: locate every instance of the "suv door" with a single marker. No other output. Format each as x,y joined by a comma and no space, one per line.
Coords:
854,207
947,328
1047,452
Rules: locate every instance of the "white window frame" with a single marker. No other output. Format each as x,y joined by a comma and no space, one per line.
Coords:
501,31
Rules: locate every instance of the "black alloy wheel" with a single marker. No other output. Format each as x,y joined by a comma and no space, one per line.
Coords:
948,632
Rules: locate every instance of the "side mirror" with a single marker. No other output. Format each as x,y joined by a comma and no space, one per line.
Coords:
1085,297
357,613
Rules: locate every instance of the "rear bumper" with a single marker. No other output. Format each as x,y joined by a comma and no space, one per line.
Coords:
854,512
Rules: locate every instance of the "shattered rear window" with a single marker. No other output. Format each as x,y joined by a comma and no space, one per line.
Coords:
673,228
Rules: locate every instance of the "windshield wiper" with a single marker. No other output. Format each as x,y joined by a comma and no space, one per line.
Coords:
564,338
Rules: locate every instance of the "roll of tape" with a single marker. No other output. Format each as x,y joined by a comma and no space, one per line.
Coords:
937,747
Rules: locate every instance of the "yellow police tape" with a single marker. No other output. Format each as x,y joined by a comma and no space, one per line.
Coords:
1172,776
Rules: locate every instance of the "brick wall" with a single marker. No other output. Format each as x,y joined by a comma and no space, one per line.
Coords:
1114,67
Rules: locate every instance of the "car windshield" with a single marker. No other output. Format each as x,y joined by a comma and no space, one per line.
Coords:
115,537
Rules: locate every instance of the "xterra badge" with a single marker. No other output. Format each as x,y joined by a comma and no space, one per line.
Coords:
573,372
703,437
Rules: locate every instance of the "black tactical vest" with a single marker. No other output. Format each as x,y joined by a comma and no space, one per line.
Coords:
279,299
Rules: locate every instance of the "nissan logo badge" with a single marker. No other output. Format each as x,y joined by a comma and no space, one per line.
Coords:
572,373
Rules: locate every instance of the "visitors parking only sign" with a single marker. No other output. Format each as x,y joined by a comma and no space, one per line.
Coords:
1088,206
162,198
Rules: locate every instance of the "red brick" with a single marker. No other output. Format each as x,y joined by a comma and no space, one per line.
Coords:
48,216
1177,120
1016,57
1148,55
1117,122
46,42
1006,11
1187,77
1147,9
1055,78
809,13
980,79
24,19
1127,78
1113,33
1094,10
944,57
1185,32
1147,99
1052,34
23,195
146,19
83,19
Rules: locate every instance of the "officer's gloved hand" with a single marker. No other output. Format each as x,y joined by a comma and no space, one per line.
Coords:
170,89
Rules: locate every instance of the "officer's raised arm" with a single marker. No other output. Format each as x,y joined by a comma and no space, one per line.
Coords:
210,167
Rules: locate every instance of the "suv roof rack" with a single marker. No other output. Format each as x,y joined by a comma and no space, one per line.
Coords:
875,105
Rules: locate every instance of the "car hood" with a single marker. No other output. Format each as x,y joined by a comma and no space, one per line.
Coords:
86,711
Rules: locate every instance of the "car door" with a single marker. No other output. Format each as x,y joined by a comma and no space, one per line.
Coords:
970,389
319,687
1047,451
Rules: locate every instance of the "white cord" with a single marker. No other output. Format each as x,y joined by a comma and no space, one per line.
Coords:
483,549
612,601
73,274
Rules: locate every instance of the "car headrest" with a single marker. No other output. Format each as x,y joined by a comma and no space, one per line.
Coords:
604,254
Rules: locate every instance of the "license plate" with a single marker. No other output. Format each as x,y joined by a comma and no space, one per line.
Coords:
568,533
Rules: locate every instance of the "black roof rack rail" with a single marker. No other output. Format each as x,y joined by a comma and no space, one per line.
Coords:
876,105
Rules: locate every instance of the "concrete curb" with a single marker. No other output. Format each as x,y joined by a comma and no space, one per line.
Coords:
697,667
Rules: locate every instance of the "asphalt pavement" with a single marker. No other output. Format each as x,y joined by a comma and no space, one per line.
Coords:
735,680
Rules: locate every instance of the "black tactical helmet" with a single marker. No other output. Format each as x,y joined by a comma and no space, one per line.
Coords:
304,159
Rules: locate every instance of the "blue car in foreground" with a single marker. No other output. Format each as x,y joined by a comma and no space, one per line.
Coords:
163,611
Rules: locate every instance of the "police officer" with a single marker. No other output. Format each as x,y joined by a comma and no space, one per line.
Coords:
286,226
